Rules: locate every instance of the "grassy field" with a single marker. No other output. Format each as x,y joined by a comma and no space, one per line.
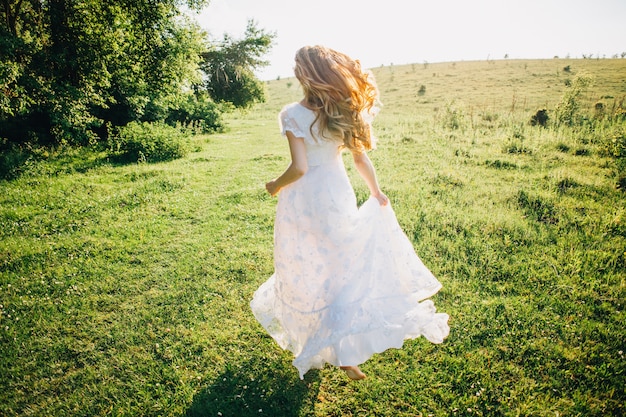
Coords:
124,289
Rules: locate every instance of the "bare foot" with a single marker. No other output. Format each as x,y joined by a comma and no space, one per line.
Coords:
353,372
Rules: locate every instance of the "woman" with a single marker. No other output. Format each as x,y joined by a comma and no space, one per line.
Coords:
347,282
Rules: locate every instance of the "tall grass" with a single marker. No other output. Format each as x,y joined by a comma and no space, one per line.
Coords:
124,289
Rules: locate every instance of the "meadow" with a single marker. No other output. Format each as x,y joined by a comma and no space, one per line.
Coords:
124,288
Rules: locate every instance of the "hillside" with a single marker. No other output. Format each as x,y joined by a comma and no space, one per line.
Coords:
519,85
124,288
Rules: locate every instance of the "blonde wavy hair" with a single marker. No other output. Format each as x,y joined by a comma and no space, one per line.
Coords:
342,95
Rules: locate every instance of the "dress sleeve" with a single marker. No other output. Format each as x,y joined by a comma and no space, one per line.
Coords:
288,123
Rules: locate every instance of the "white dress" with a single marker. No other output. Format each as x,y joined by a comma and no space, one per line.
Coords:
347,282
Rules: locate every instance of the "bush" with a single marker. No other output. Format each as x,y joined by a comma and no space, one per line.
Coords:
148,142
562,147
199,113
615,142
567,111
614,146
451,117
540,118
12,159
516,147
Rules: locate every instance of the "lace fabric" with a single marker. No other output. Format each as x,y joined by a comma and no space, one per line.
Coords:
347,282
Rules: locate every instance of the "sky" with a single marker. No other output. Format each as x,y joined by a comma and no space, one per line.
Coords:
396,32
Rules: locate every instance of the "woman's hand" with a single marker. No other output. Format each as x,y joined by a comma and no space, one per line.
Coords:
366,169
297,168
272,188
382,198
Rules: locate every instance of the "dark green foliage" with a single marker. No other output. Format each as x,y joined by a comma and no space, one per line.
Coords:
516,147
599,110
563,147
228,67
70,71
615,146
540,118
76,65
498,164
568,111
199,112
615,143
148,142
11,161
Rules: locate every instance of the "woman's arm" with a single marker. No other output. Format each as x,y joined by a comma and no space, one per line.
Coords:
366,169
296,168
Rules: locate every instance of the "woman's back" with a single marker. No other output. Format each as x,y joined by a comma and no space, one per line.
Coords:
301,121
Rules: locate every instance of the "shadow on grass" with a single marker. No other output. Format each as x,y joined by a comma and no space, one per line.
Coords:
16,161
269,387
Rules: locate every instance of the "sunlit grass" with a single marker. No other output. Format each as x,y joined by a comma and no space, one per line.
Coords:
124,289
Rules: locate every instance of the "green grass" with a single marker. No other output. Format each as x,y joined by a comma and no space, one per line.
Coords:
124,289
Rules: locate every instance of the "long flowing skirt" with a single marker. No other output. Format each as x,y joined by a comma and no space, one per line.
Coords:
347,281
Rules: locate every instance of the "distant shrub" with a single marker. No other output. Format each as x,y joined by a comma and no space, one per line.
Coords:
199,114
567,111
615,143
599,110
562,147
498,164
614,146
422,90
516,147
148,142
540,118
451,117
617,111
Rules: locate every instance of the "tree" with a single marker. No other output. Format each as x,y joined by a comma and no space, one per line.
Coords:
229,67
21,42
70,68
